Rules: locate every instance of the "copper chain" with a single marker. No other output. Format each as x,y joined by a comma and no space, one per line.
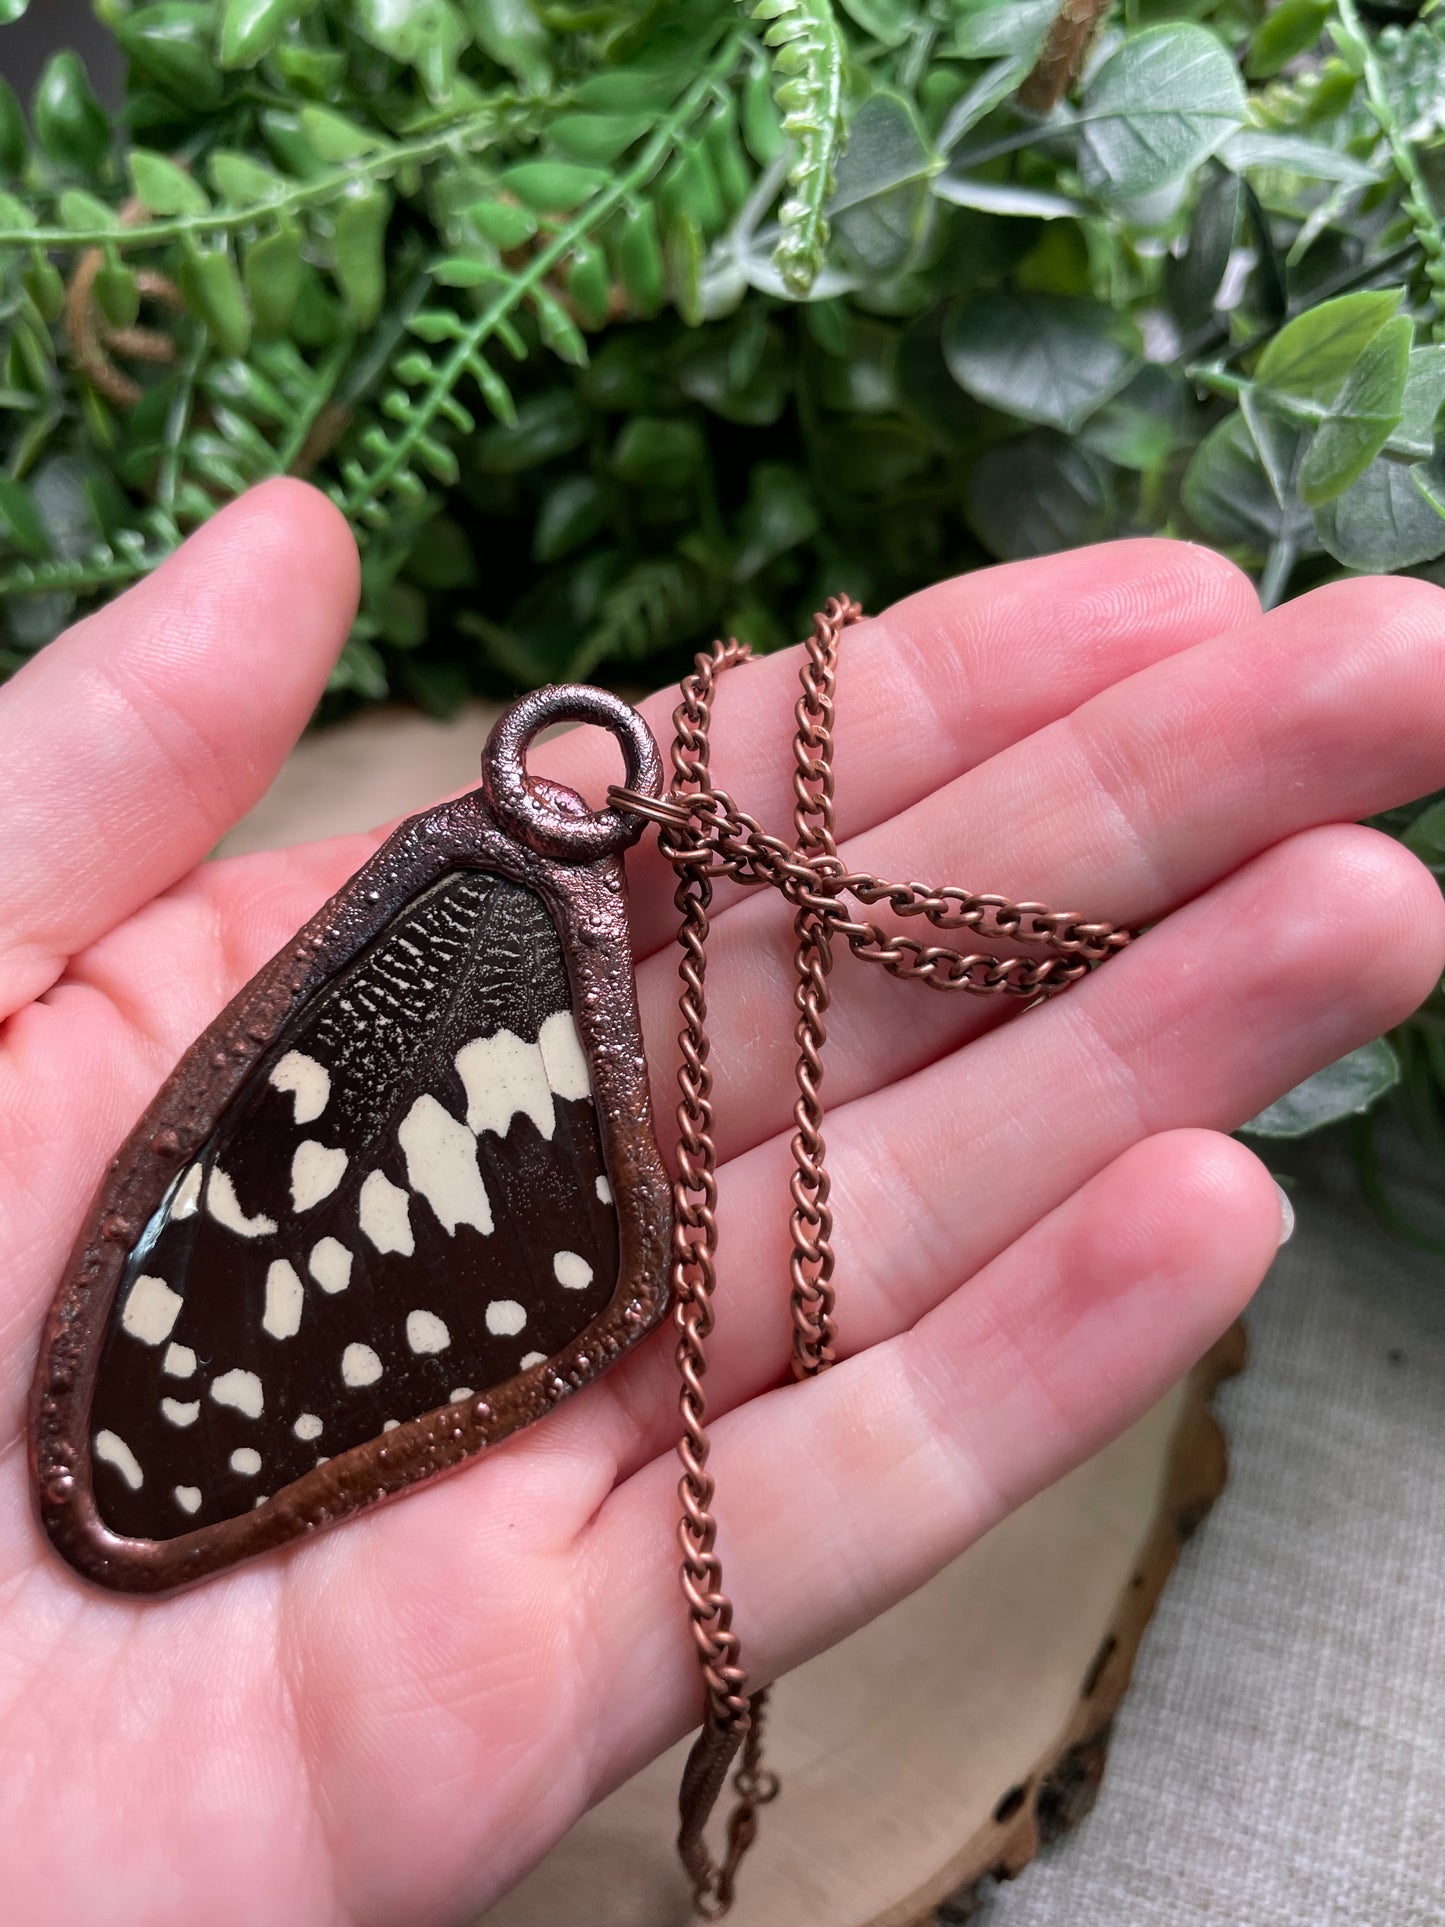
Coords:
704,835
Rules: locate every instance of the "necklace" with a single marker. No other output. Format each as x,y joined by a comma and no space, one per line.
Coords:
403,1197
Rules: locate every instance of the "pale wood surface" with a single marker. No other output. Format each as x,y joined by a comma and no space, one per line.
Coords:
942,1742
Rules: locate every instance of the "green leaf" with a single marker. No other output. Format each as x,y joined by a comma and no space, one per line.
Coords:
19,521
1139,428
162,187
558,329
780,514
1035,495
1004,197
1294,154
1345,1088
1156,108
273,274
882,188
656,453
335,137
1051,359
1425,838
14,135
889,22
553,187
987,27
595,137
1361,416
572,512
1226,492
1424,397
1287,30
251,28
212,286
172,44
589,285
425,34
762,125
1192,281
547,425
1312,355
358,251
639,258
501,223
241,180
81,211
70,123
510,33
1382,522
117,294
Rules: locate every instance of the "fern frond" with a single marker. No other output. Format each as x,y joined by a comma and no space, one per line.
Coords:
808,56
656,604
387,462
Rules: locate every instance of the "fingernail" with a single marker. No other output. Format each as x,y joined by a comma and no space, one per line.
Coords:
1286,1215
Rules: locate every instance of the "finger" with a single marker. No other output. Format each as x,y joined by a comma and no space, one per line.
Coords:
936,684
974,662
934,1176
133,741
840,1496
1327,709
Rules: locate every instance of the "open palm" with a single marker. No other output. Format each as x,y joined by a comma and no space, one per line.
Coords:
1035,1235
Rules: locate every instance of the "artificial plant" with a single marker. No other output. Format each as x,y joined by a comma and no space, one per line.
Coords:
613,323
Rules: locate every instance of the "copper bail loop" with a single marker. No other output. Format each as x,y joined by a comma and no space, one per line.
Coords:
536,813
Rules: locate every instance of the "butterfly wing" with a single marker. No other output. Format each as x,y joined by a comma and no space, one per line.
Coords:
407,1203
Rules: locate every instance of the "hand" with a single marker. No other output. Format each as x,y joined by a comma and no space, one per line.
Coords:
1036,1233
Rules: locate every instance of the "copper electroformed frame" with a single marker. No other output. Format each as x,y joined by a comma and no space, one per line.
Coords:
534,833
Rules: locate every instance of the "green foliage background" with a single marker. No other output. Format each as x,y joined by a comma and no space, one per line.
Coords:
615,323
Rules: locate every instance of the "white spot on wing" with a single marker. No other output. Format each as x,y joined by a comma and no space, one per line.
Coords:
188,1194
384,1216
114,1450
425,1332
179,1361
150,1311
561,1050
604,1191
225,1208
441,1163
571,1271
461,1392
505,1318
285,1295
181,1412
308,1426
505,1077
306,1080
246,1460
330,1264
529,1359
241,1390
391,1425
316,1170
188,1498
359,1366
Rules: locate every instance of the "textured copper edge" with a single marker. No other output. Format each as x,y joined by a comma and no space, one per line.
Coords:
588,903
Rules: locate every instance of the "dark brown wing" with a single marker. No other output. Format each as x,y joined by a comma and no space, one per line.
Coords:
404,1204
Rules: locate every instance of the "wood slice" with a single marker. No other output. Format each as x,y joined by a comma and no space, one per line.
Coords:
945,1743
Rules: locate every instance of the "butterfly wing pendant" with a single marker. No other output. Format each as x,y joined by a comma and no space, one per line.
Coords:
400,1199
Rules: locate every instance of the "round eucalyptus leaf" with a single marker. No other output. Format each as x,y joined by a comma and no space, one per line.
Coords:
1345,1088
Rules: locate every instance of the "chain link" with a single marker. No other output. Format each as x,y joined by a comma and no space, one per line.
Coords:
704,835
